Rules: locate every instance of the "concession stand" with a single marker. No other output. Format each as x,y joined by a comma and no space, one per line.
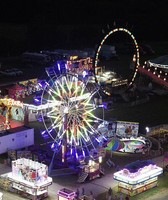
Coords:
138,177
29,178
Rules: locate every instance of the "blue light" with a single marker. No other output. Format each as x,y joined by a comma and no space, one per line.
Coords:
97,140
101,106
53,146
40,84
59,143
59,67
71,151
83,153
76,155
37,100
84,74
46,83
42,133
105,138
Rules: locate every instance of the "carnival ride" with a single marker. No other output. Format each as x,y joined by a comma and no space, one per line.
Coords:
69,117
156,71
70,113
117,79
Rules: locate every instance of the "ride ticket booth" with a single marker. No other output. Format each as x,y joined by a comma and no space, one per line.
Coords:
66,194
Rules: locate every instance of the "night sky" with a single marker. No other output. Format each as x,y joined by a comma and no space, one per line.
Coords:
39,24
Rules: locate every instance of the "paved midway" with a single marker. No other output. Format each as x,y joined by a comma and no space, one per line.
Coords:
97,186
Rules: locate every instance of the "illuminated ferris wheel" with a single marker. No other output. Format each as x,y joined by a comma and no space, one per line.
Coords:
70,111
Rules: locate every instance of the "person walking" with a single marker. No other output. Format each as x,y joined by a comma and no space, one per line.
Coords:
109,194
77,193
127,197
91,197
83,191
121,196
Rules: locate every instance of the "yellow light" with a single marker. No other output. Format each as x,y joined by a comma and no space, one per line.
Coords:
90,162
100,159
73,57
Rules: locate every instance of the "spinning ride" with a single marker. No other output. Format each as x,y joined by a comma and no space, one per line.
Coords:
70,115
116,79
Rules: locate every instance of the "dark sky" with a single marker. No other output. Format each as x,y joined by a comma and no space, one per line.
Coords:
82,11
43,17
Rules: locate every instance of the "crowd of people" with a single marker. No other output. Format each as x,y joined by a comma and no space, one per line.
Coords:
109,196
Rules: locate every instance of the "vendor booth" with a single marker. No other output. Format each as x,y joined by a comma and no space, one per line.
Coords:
138,177
91,170
11,109
30,178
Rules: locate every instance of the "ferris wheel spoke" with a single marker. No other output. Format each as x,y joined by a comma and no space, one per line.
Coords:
70,112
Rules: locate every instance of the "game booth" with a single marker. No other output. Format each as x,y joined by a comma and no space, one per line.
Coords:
29,178
138,177
11,113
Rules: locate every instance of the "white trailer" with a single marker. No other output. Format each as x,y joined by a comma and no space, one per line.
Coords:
17,138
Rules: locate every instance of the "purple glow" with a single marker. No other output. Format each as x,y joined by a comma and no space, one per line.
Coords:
84,74
59,143
59,68
37,100
97,140
135,166
76,155
83,153
101,106
46,83
66,66
40,84
42,133
71,151
52,146
105,138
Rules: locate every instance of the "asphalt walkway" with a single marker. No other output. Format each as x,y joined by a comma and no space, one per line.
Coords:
97,186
